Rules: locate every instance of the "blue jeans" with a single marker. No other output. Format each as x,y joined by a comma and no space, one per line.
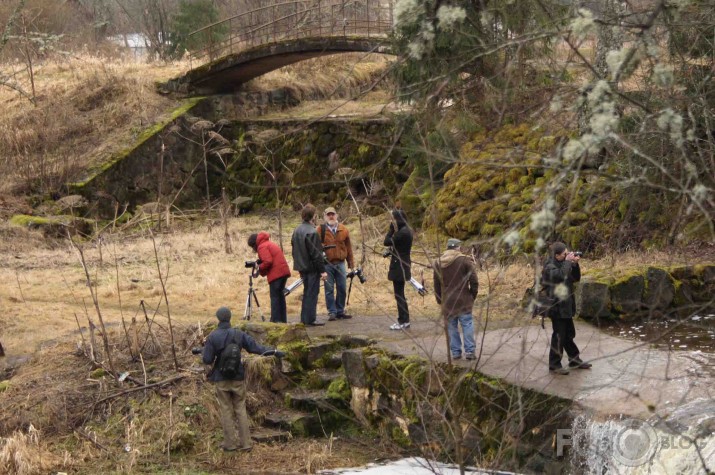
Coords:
336,283
455,343
278,300
311,289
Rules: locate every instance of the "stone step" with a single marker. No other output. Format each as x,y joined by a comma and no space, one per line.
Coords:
285,418
309,400
264,434
297,423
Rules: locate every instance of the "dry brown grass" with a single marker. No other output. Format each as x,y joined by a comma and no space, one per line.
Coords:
45,287
22,453
86,109
333,76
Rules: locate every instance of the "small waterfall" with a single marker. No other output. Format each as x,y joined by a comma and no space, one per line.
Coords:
682,443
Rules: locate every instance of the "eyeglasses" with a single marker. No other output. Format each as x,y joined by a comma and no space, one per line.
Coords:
330,214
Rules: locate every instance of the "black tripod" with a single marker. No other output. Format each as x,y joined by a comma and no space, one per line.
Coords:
249,302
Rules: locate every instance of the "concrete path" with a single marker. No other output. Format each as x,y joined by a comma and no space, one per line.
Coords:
627,377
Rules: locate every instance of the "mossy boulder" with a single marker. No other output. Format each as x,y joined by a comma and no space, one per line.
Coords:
659,289
593,299
55,226
627,294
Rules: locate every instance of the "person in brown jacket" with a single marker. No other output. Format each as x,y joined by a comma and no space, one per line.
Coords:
455,287
338,249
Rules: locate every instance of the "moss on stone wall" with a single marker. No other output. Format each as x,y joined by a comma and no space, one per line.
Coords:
500,181
305,170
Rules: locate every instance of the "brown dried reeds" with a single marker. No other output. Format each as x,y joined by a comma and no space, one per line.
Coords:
22,454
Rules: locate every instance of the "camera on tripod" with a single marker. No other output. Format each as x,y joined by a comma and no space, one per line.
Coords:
252,264
357,273
387,252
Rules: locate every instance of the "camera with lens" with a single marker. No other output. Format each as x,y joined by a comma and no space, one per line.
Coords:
252,264
387,252
357,273
578,253
197,350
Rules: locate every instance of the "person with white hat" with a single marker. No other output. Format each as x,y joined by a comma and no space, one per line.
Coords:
338,249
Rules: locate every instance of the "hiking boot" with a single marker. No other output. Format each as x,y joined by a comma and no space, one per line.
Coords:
456,357
331,317
316,323
559,370
470,356
229,449
343,316
578,364
248,448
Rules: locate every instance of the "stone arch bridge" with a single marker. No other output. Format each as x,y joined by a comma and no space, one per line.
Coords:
250,44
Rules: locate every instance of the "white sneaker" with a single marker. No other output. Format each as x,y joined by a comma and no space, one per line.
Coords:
400,326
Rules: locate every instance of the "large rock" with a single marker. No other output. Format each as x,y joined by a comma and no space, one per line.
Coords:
593,300
626,294
354,368
659,289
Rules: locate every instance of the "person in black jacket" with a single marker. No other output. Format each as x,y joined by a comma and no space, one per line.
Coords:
308,261
559,274
231,392
399,240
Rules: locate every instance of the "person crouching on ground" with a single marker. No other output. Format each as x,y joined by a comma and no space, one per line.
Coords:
455,288
272,264
231,389
336,242
559,274
399,240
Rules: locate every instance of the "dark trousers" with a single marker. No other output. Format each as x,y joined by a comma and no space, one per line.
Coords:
311,289
278,300
562,339
403,313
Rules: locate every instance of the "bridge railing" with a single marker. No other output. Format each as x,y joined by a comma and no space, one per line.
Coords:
291,20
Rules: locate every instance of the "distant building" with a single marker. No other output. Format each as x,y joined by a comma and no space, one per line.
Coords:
137,43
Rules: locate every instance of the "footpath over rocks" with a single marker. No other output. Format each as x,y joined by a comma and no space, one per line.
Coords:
627,378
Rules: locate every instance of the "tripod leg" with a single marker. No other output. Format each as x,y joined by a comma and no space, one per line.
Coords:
258,305
248,310
350,289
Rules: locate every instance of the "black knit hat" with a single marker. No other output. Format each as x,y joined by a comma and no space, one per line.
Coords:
223,314
252,240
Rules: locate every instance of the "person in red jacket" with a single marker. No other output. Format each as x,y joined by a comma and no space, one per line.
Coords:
272,264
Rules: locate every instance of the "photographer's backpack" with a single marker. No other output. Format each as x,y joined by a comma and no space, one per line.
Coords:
229,362
542,300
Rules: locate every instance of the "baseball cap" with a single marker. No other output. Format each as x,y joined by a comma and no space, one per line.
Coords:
330,209
453,243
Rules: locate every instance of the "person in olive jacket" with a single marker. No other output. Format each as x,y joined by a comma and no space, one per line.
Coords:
399,240
231,391
559,274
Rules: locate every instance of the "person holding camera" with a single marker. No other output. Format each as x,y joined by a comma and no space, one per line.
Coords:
308,260
272,264
399,242
338,249
455,288
559,274
223,351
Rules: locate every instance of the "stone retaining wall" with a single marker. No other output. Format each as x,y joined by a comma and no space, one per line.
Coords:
681,290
